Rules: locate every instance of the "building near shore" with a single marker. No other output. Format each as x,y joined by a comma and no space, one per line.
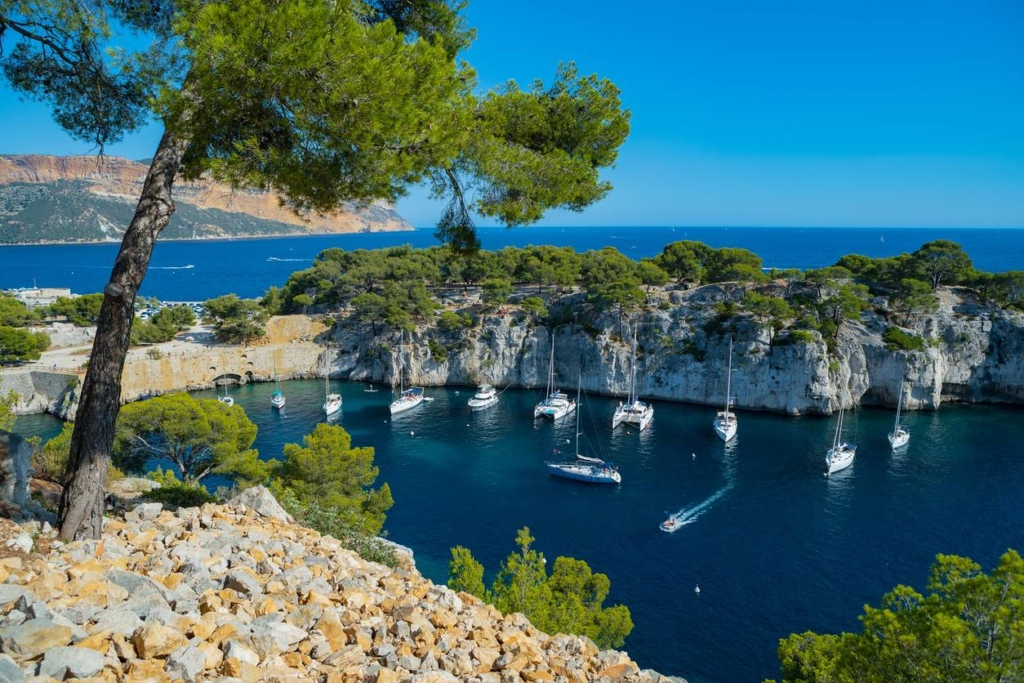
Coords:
35,297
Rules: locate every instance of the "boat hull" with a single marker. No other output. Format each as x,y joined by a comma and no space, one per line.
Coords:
482,404
725,428
277,400
409,399
332,404
839,458
585,472
638,414
899,438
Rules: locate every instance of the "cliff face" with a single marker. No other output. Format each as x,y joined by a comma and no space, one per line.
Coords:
84,198
974,354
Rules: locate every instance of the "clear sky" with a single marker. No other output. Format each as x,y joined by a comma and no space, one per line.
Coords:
745,112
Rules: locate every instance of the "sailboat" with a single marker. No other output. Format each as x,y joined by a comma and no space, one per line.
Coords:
900,435
725,422
277,398
840,456
633,411
585,468
407,398
225,399
332,402
555,404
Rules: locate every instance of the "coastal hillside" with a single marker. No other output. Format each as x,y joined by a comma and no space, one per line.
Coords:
51,199
239,592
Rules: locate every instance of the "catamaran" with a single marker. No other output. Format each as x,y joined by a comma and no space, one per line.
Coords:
725,422
900,435
407,398
633,411
840,456
555,405
585,468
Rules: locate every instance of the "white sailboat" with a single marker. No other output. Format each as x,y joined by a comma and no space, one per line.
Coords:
840,456
633,411
332,402
725,422
277,399
225,399
555,404
407,398
900,435
584,468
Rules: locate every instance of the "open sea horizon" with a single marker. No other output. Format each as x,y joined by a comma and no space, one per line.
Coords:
198,270
774,545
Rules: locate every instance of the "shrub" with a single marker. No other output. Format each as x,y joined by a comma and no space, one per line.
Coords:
438,351
801,337
897,340
450,321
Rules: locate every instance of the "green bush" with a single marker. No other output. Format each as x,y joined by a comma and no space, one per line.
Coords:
897,340
801,337
438,351
174,493
331,522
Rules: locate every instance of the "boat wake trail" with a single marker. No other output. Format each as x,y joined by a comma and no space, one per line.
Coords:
188,267
296,260
689,515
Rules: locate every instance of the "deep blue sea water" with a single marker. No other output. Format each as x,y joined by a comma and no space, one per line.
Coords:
775,546
196,271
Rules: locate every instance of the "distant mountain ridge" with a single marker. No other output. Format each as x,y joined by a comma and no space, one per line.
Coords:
54,199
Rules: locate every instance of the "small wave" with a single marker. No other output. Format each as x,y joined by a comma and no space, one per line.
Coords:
293,260
188,267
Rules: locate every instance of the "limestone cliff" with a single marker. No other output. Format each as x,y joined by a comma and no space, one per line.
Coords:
85,198
975,353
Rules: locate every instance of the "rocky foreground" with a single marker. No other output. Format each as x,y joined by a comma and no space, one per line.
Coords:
240,593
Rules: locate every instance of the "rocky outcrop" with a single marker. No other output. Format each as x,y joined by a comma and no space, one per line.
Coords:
230,593
88,198
973,354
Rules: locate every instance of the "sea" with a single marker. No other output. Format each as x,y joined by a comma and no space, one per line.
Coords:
200,270
774,546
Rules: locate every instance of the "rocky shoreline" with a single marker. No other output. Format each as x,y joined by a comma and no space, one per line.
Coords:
238,592
974,353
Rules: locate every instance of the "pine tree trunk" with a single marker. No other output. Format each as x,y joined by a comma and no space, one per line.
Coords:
81,504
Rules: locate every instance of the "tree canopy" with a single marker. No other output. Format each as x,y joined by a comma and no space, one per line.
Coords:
197,436
969,627
570,600
322,101
327,470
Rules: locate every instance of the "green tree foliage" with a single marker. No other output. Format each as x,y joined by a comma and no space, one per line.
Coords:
730,264
612,280
163,325
897,340
451,322
14,313
684,260
651,275
570,600
913,297
324,102
941,262
236,320
197,436
497,290
770,311
50,462
7,415
327,470
18,345
969,627
80,310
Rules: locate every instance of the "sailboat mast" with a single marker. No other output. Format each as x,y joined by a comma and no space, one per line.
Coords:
899,404
579,409
728,381
551,366
632,372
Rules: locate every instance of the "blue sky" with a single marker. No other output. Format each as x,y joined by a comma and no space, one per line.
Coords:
789,113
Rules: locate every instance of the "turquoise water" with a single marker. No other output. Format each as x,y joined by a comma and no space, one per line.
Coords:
196,271
774,545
